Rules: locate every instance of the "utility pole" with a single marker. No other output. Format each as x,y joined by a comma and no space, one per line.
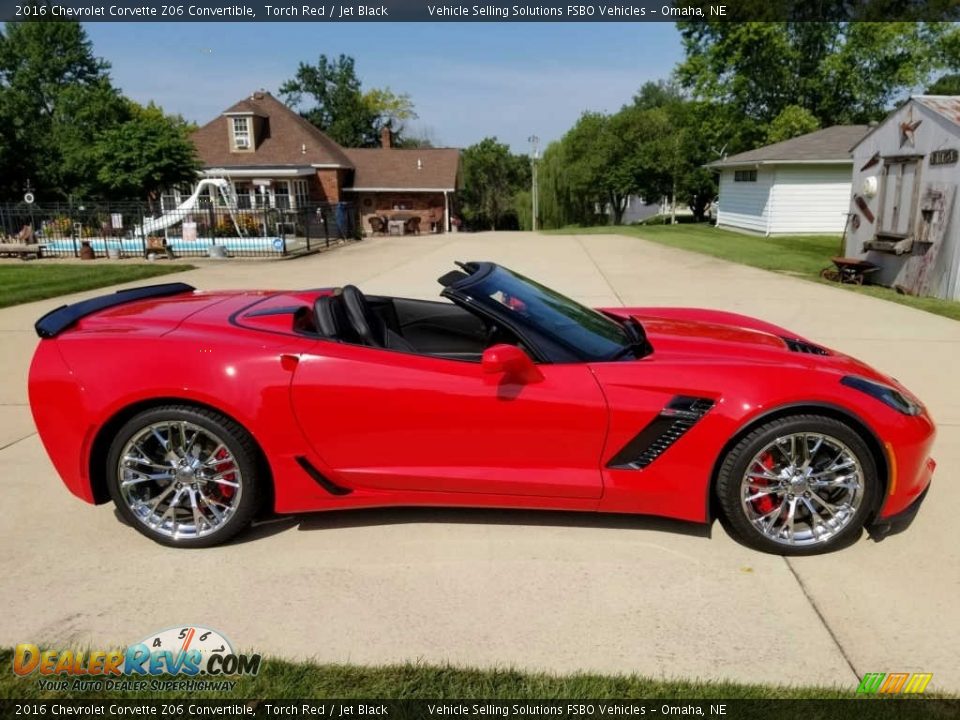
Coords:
534,193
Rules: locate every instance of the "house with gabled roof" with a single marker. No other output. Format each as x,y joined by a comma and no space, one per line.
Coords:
798,186
275,158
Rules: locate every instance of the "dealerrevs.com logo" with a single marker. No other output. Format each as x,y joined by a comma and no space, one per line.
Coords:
197,657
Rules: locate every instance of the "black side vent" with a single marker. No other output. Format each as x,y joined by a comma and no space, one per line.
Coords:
680,414
802,346
320,479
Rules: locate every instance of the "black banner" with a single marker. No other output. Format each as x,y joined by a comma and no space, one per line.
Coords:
859,709
334,11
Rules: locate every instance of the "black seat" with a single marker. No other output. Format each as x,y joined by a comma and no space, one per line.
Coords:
370,327
331,318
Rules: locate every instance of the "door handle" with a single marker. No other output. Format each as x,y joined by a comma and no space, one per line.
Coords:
289,362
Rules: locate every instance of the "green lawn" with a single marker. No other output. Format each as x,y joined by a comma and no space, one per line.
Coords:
801,255
280,679
22,283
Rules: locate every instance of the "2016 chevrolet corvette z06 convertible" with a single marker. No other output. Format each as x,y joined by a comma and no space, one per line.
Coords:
194,410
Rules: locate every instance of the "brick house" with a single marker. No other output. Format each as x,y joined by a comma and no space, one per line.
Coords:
275,158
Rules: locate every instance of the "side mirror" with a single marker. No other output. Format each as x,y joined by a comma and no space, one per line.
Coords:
511,362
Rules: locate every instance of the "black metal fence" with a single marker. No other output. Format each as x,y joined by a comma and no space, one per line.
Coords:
205,229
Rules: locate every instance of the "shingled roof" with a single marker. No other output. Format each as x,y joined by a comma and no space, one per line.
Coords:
832,144
286,140
404,168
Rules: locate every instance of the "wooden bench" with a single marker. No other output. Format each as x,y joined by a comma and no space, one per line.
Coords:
24,252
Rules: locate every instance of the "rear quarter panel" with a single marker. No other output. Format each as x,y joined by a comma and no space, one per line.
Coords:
80,381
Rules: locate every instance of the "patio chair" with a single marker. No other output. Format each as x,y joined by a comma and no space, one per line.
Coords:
378,226
412,226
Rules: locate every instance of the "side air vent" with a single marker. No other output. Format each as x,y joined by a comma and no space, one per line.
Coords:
680,414
320,479
801,346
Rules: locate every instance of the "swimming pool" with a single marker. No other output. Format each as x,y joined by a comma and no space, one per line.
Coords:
134,246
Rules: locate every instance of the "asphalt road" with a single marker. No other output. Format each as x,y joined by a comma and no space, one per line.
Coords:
548,591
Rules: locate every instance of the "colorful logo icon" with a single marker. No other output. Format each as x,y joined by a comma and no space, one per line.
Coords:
894,683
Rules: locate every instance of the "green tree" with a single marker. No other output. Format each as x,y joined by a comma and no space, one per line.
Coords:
148,153
341,108
492,176
82,115
793,121
560,205
600,162
688,139
840,72
948,84
389,109
48,73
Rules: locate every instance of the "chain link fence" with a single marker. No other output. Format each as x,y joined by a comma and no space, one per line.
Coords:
205,229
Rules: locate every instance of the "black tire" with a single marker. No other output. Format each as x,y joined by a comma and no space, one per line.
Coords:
237,441
735,465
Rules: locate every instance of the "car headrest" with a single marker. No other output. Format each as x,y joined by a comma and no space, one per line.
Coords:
331,318
364,321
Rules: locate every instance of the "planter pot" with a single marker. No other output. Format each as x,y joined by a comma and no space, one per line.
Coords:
86,251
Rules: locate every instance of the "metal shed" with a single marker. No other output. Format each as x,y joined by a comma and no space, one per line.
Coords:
903,209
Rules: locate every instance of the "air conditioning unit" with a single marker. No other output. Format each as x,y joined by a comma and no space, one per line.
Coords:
242,143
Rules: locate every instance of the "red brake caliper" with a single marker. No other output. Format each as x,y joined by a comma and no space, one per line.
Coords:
764,503
226,491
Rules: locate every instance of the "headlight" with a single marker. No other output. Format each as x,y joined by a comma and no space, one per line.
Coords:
884,393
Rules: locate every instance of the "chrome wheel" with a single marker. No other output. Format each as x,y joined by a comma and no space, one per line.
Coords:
179,479
802,489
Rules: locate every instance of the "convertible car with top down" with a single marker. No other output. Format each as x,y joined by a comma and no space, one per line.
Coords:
194,411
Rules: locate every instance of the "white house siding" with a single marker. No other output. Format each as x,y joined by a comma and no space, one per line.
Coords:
809,199
933,133
745,205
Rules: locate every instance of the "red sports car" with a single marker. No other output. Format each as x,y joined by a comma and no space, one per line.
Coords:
194,410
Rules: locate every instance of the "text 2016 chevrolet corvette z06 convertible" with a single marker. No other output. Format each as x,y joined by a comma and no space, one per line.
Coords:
193,410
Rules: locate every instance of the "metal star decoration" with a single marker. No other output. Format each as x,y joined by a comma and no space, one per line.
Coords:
907,130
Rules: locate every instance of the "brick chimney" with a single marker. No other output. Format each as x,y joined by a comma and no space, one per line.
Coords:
386,137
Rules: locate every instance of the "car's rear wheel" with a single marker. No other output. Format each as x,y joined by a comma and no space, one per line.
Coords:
798,485
184,476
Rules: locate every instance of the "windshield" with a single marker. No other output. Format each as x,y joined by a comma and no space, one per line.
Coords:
585,332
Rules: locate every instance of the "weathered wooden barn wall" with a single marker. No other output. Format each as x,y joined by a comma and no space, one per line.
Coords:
905,213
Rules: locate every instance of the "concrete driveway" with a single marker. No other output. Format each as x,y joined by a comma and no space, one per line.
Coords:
545,591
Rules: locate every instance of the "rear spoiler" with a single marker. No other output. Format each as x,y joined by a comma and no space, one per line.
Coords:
56,321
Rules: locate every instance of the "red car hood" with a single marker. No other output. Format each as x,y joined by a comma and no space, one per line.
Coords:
733,337
681,326
669,330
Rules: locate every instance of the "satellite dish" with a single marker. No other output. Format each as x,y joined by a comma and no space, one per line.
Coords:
28,198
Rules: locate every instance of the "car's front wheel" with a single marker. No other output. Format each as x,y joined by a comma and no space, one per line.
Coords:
798,485
184,476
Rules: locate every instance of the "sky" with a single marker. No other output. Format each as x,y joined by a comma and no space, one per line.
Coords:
467,81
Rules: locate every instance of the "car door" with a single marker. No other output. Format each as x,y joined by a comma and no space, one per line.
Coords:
389,420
